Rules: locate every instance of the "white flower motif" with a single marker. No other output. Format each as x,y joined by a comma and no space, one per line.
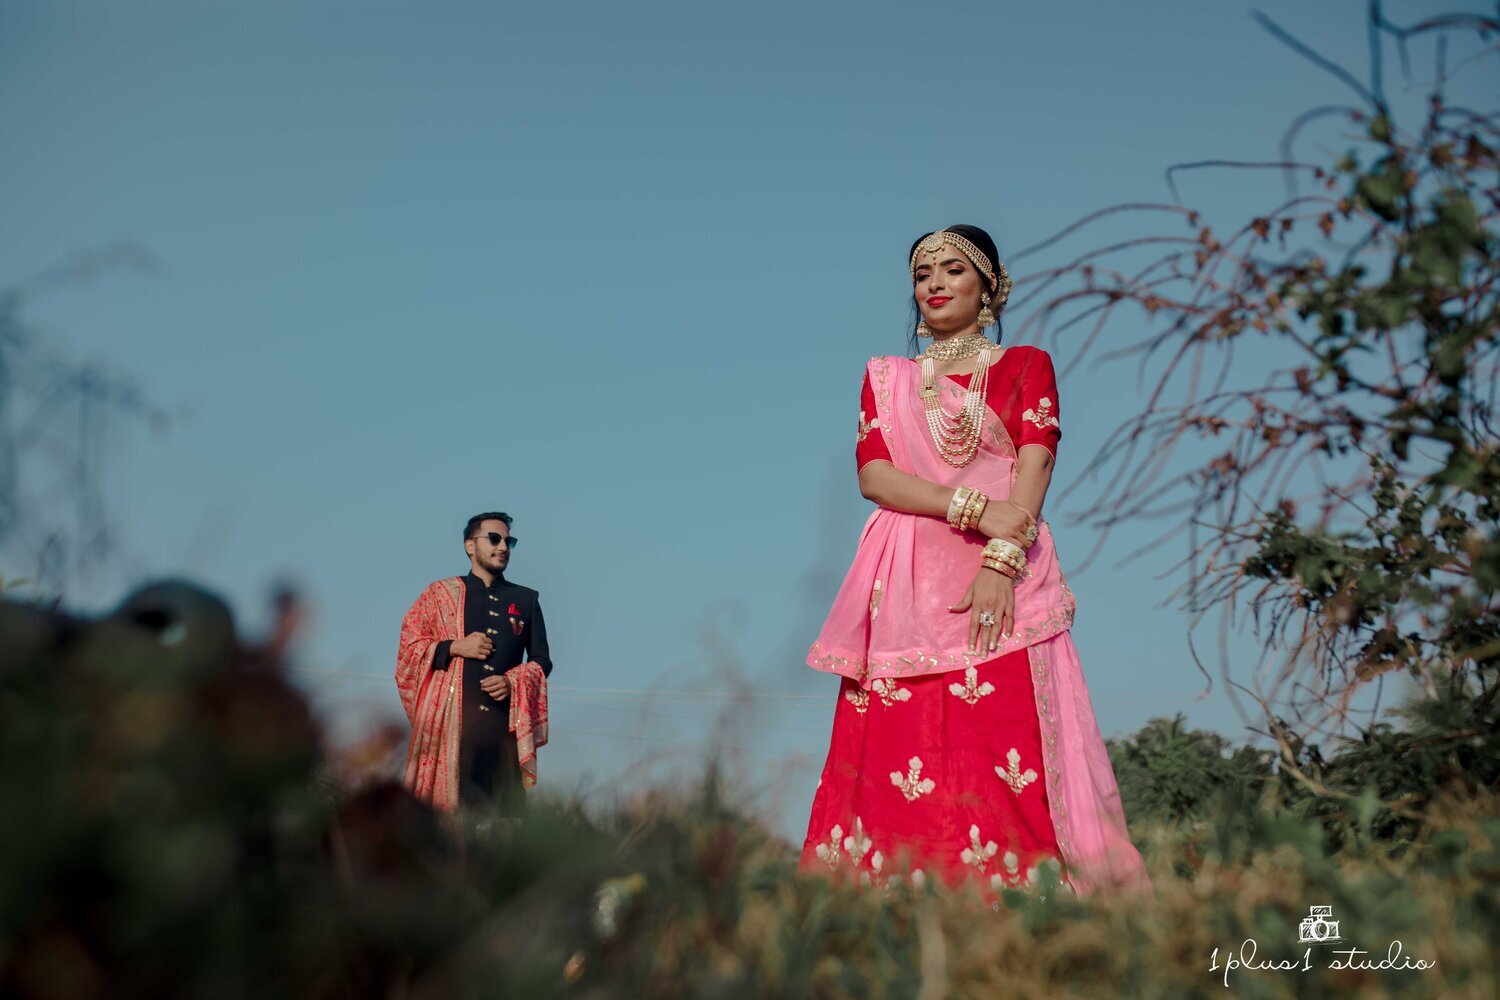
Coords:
978,854
971,690
1041,416
857,844
913,785
1014,776
829,853
875,595
890,692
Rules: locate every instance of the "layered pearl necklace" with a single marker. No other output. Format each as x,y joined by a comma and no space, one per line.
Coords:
957,436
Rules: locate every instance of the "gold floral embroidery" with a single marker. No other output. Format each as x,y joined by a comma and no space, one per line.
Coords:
829,853
977,855
922,661
882,370
1002,441
859,698
971,690
919,662
1014,776
866,427
875,597
913,785
890,692
1041,679
1041,416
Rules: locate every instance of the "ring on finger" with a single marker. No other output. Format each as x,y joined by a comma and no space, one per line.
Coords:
986,619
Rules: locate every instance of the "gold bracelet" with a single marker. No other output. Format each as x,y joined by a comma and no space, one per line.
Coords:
956,505
972,511
1004,569
1007,553
1002,551
1004,547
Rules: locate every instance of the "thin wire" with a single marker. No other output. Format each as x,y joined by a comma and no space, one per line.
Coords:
681,691
623,703
691,746
699,718
672,693
803,731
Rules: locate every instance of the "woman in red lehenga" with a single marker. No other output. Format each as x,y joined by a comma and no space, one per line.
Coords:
964,742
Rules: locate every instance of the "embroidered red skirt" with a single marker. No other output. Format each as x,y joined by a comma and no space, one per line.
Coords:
942,773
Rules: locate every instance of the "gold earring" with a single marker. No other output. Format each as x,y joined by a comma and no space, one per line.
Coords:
986,318
923,330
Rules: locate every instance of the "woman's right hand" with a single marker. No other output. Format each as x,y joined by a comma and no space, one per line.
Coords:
990,592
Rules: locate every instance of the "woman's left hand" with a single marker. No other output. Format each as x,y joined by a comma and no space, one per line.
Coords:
994,593
1005,519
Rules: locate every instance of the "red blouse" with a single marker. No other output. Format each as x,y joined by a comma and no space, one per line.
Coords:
1022,391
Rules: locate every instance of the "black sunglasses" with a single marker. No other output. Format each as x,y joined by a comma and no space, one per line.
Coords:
496,538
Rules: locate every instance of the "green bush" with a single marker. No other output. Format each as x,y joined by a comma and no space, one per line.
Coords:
175,829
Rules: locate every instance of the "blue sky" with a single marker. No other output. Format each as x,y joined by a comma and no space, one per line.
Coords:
613,268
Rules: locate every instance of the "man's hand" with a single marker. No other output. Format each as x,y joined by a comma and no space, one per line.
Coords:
497,686
474,646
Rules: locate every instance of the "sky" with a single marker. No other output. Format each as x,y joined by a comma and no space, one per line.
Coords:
615,269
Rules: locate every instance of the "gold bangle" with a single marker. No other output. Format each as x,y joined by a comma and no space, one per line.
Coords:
1004,569
956,505
1004,547
1001,551
977,511
966,515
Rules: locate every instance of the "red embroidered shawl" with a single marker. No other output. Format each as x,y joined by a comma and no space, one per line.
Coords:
433,699
528,715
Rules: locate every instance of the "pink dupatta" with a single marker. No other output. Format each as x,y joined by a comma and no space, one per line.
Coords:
890,618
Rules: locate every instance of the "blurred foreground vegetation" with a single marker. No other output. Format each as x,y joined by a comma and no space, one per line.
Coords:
173,827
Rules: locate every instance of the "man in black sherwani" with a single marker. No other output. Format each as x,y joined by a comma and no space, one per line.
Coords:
503,628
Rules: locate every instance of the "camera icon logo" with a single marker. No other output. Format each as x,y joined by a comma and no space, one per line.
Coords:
1318,927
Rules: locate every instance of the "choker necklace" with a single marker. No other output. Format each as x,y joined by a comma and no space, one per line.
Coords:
957,436
957,348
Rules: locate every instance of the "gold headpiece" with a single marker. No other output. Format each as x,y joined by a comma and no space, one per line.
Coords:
934,242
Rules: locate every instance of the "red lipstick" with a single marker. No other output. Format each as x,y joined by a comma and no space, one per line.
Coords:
939,300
